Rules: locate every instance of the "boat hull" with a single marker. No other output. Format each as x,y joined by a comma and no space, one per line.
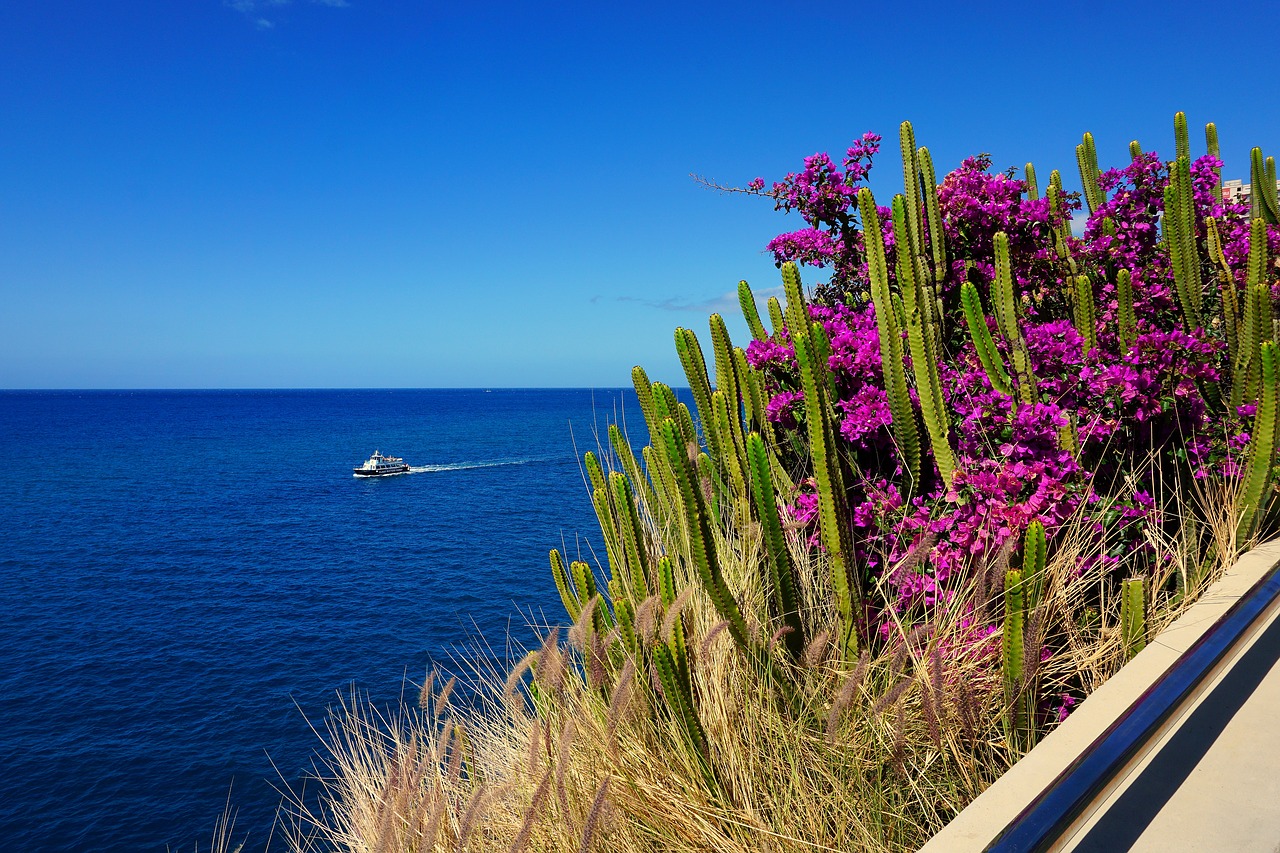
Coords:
360,472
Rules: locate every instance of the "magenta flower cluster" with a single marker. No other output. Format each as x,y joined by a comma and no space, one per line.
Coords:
1140,415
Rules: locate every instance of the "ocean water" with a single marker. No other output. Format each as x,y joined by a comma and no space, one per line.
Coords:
187,578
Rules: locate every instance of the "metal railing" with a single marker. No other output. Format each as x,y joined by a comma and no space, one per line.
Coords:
1053,813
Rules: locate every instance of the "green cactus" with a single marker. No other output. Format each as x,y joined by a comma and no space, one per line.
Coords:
1259,473
608,529
1133,616
667,593
1211,148
1271,194
729,380
595,472
923,360
891,356
584,580
1262,180
631,467
910,182
1012,654
1035,557
1228,297
1247,369
833,526
695,370
700,542
644,393
1180,235
726,367
776,319
933,215
684,419
564,585
727,428
1086,314
750,312
1033,189
1256,274
626,613
1182,140
756,402
632,542
1126,320
664,488
1007,319
1255,323
795,312
1135,150
781,571
980,333
679,696
1087,160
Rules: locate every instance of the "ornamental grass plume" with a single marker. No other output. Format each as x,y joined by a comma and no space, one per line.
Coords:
894,542
892,747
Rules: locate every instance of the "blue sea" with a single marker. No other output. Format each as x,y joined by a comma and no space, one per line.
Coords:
187,578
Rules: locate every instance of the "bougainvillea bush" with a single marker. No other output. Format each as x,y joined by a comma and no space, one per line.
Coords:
1118,414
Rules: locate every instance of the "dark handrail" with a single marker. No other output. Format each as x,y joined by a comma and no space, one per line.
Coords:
1052,813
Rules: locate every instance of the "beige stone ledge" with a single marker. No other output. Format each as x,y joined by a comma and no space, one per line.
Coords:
975,827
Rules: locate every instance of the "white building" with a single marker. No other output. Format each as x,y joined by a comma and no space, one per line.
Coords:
1238,191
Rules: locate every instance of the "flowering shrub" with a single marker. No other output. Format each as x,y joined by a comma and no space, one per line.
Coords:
1116,417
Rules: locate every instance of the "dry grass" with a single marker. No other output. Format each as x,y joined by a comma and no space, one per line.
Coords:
575,751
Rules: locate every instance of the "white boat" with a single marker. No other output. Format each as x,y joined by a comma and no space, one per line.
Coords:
378,465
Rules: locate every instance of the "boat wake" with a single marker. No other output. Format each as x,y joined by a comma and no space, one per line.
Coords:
465,466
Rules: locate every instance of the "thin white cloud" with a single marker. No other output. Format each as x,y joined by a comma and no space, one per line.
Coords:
259,11
722,304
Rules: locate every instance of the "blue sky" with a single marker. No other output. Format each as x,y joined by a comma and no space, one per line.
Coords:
375,193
